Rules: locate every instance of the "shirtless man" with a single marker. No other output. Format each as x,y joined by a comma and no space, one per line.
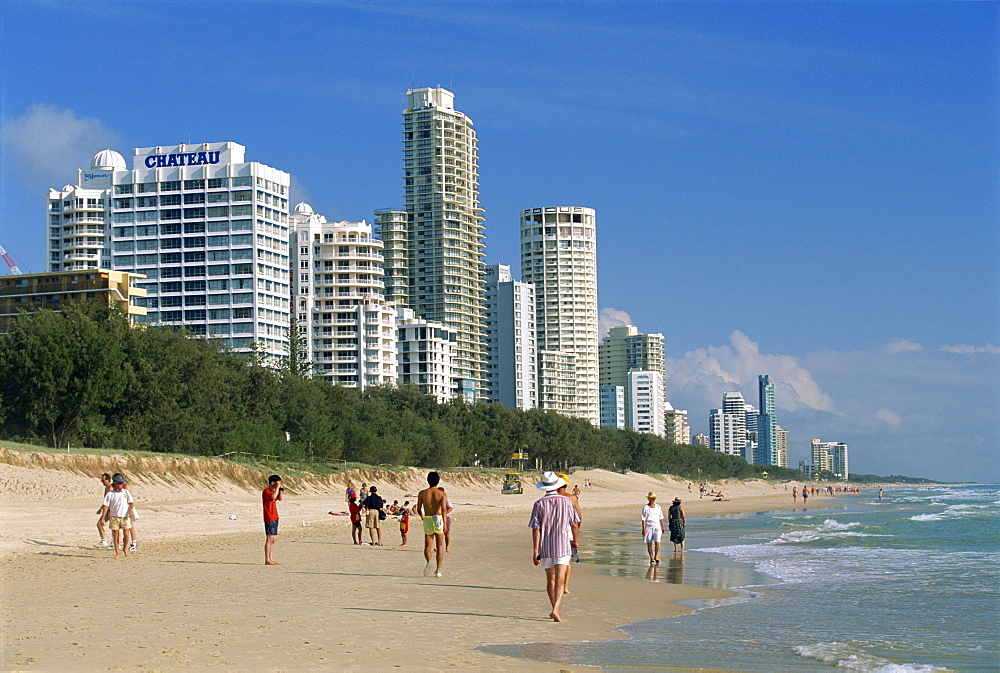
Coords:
432,506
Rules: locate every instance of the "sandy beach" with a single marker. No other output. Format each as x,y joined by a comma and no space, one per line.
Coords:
196,593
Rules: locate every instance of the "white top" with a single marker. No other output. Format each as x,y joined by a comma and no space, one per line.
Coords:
117,502
652,514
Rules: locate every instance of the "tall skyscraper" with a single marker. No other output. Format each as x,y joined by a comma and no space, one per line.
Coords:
440,247
208,230
727,426
346,325
782,442
766,452
676,428
625,349
511,361
645,403
559,257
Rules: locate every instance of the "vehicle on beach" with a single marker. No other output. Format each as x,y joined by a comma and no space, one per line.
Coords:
512,484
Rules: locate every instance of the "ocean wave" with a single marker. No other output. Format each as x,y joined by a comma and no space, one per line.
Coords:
954,511
849,655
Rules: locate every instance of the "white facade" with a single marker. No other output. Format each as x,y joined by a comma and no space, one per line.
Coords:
210,233
727,426
426,351
832,457
613,407
511,362
348,327
439,247
559,257
781,443
676,428
625,349
645,402
821,456
557,381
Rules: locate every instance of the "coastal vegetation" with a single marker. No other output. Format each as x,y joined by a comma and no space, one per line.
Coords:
85,376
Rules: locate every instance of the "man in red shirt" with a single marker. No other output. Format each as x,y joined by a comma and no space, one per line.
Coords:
270,497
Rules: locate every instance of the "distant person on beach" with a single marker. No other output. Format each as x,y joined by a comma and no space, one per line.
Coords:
404,522
116,510
676,522
880,495
432,507
373,519
448,509
805,496
795,494
554,527
350,492
106,482
563,491
652,527
133,532
357,536
269,498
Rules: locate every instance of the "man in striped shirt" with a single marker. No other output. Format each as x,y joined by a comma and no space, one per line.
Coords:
554,526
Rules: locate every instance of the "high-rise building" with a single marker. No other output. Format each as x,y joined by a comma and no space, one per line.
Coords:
782,441
511,366
766,452
625,349
613,407
426,353
439,248
559,257
208,230
821,456
79,217
644,400
676,428
346,326
838,460
700,440
727,426
557,381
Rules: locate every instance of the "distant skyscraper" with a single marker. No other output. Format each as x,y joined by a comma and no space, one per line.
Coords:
559,257
625,349
727,426
207,229
426,352
348,328
439,248
782,436
838,461
511,363
766,452
644,401
821,456
557,381
79,217
676,428
613,407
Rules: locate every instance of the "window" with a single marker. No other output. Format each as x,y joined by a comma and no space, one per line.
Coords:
218,256
170,302
194,271
194,286
218,285
170,287
194,213
217,183
170,243
124,217
171,316
148,244
123,189
194,227
121,232
198,314
170,272
194,242
170,214
243,181
218,197
170,186
218,270
242,313
170,258
145,187
242,268
194,300
194,184
194,256
218,211
169,229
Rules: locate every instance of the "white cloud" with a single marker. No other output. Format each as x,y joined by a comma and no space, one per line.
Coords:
889,417
698,379
965,349
611,317
47,144
902,346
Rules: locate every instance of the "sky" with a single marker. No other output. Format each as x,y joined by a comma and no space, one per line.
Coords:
805,190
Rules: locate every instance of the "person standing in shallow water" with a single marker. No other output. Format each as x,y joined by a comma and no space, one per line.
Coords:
676,522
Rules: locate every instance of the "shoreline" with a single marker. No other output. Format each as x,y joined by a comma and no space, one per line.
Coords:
197,594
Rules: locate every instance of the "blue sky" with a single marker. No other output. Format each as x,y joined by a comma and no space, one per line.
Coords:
807,190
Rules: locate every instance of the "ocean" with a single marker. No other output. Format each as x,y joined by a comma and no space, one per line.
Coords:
909,584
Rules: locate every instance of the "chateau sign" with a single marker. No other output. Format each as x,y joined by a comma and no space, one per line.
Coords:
186,159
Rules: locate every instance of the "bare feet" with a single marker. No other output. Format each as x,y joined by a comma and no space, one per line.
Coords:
555,616
271,563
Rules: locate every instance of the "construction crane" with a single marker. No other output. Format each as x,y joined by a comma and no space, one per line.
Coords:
13,267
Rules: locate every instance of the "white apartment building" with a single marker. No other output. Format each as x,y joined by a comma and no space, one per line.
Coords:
613,407
727,426
559,257
511,363
440,245
348,328
781,443
557,382
676,428
208,230
830,456
625,349
79,217
644,394
426,352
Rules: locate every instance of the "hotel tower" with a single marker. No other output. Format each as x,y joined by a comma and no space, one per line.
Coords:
559,256
434,256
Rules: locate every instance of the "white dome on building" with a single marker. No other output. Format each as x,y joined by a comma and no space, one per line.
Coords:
108,160
303,209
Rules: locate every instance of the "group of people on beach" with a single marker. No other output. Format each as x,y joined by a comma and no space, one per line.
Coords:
653,527
117,510
369,507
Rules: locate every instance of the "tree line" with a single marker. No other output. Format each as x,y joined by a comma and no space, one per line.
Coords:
85,376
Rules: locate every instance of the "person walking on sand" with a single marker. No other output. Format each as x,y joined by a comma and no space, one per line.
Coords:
373,519
357,535
133,532
404,522
677,522
564,491
432,506
554,527
116,509
448,509
795,494
652,527
270,497
106,481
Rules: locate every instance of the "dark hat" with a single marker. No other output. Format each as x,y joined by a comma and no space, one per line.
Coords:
118,479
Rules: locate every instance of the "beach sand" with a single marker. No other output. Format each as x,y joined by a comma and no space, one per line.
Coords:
196,593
